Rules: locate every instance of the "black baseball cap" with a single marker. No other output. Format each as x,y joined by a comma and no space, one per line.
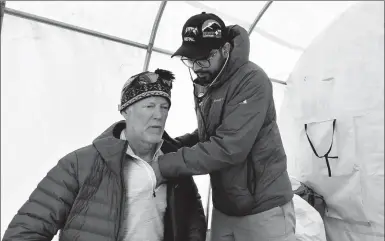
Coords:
201,34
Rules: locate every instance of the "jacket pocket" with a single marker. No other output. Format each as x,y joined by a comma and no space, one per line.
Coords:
230,191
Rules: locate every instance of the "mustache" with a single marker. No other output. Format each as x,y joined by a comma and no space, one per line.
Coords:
202,72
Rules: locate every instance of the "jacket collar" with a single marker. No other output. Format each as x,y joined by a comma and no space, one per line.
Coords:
131,153
112,149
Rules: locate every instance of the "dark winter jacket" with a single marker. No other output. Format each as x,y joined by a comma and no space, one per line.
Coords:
84,197
237,141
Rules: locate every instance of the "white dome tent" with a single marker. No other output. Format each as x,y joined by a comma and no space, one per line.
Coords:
63,65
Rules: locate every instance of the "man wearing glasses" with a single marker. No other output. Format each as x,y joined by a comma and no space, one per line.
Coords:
237,141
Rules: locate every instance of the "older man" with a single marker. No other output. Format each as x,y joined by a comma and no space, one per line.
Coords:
107,191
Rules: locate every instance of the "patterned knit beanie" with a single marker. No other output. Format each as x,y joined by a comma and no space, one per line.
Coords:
146,84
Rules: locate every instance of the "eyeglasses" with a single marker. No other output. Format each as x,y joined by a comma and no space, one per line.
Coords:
203,63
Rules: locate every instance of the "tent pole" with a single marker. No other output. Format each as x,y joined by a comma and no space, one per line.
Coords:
150,45
278,81
208,204
81,30
262,32
99,34
2,14
259,16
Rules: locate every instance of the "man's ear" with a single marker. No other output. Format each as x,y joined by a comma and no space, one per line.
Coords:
226,49
124,112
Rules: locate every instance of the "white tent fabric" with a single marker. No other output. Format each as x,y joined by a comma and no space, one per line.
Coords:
309,224
60,88
341,76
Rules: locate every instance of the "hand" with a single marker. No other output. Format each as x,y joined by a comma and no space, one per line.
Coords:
159,178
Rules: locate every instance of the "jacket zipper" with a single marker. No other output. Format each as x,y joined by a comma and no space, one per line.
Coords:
149,172
173,207
200,102
123,195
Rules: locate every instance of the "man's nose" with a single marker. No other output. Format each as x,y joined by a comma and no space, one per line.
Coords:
158,114
196,67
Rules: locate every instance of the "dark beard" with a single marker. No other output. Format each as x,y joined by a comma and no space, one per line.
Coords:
205,82
202,81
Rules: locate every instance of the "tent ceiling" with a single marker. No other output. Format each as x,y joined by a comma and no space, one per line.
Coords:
277,41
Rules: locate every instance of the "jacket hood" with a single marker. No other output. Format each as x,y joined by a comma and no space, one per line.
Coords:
240,41
111,147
